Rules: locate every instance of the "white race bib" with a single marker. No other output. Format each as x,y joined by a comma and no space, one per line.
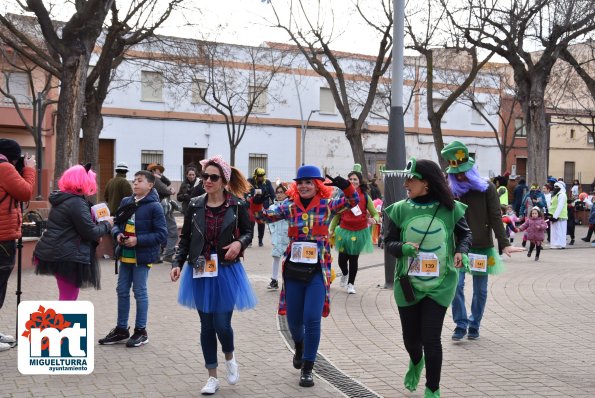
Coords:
425,264
356,211
478,262
209,270
304,252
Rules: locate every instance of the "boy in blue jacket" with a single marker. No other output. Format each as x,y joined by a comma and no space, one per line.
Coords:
140,230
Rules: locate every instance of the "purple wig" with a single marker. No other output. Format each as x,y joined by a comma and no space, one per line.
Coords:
474,182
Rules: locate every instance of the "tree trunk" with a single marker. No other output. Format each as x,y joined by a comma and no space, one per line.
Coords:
354,136
436,125
503,162
70,110
232,155
92,125
537,136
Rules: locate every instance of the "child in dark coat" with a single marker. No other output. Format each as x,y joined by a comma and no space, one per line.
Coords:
536,227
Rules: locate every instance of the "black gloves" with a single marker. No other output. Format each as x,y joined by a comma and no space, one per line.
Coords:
338,182
258,199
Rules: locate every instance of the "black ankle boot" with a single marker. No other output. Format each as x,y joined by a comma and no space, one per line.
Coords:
306,379
297,357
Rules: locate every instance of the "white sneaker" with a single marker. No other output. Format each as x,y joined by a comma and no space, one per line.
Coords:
344,280
211,387
4,338
233,371
5,347
350,289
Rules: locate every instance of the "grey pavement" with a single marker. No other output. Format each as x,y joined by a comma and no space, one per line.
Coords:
536,337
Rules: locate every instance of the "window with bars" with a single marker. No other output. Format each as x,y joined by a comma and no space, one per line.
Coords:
256,160
150,156
151,86
327,102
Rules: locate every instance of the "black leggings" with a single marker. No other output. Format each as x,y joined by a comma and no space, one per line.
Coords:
422,326
260,231
4,275
345,258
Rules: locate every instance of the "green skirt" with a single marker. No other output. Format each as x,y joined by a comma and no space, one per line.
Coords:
495,265
353,242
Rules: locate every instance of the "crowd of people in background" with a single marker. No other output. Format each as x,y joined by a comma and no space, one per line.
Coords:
437,235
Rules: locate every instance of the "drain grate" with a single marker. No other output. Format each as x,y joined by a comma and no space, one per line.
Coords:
327,371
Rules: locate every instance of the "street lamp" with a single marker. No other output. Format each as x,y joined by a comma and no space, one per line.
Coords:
304,130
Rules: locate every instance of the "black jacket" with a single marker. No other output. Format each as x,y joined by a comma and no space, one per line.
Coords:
268,192
185,192
192,238
71,233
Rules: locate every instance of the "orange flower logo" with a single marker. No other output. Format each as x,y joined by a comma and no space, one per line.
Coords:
43,319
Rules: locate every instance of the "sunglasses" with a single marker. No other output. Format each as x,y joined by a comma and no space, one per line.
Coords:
212,177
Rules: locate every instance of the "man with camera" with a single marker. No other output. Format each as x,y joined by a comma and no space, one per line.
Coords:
17,181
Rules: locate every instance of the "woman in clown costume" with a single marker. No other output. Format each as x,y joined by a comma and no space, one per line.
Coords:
352,234
306,271
420,232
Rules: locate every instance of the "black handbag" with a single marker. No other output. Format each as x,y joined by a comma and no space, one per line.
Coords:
301,272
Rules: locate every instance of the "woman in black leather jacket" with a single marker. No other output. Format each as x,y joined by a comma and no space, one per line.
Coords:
216,231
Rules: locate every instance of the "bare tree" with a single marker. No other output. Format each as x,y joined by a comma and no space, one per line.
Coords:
65,53
124,30
512,29
457,62
382,101
313,30
38,84
65,50
237,82
501,103
570,95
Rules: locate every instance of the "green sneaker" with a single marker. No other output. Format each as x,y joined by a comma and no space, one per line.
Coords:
429,394
413,373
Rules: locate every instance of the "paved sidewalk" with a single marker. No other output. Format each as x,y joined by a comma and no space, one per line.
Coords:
535,337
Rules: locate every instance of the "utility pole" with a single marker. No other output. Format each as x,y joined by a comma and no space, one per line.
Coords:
395,147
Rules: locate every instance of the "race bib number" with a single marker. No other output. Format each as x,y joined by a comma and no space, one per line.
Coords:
304,252
425,264
100,212
356,211
478,262
206,268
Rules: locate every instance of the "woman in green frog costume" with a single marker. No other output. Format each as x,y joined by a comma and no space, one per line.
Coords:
429,236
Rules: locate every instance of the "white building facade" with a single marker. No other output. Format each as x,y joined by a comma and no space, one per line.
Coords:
150,119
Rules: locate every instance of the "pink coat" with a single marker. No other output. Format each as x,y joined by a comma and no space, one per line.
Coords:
535,229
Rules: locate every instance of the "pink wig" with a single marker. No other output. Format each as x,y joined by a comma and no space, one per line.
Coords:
76,180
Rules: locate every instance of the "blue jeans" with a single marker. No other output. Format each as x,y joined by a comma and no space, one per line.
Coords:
480,296
304,312
213,325
136,276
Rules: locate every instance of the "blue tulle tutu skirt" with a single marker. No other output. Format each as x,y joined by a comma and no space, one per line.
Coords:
228,291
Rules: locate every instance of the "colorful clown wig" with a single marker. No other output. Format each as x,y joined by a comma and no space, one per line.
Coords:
324,191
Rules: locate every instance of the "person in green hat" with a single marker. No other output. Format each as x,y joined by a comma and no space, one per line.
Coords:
483,209
420,232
